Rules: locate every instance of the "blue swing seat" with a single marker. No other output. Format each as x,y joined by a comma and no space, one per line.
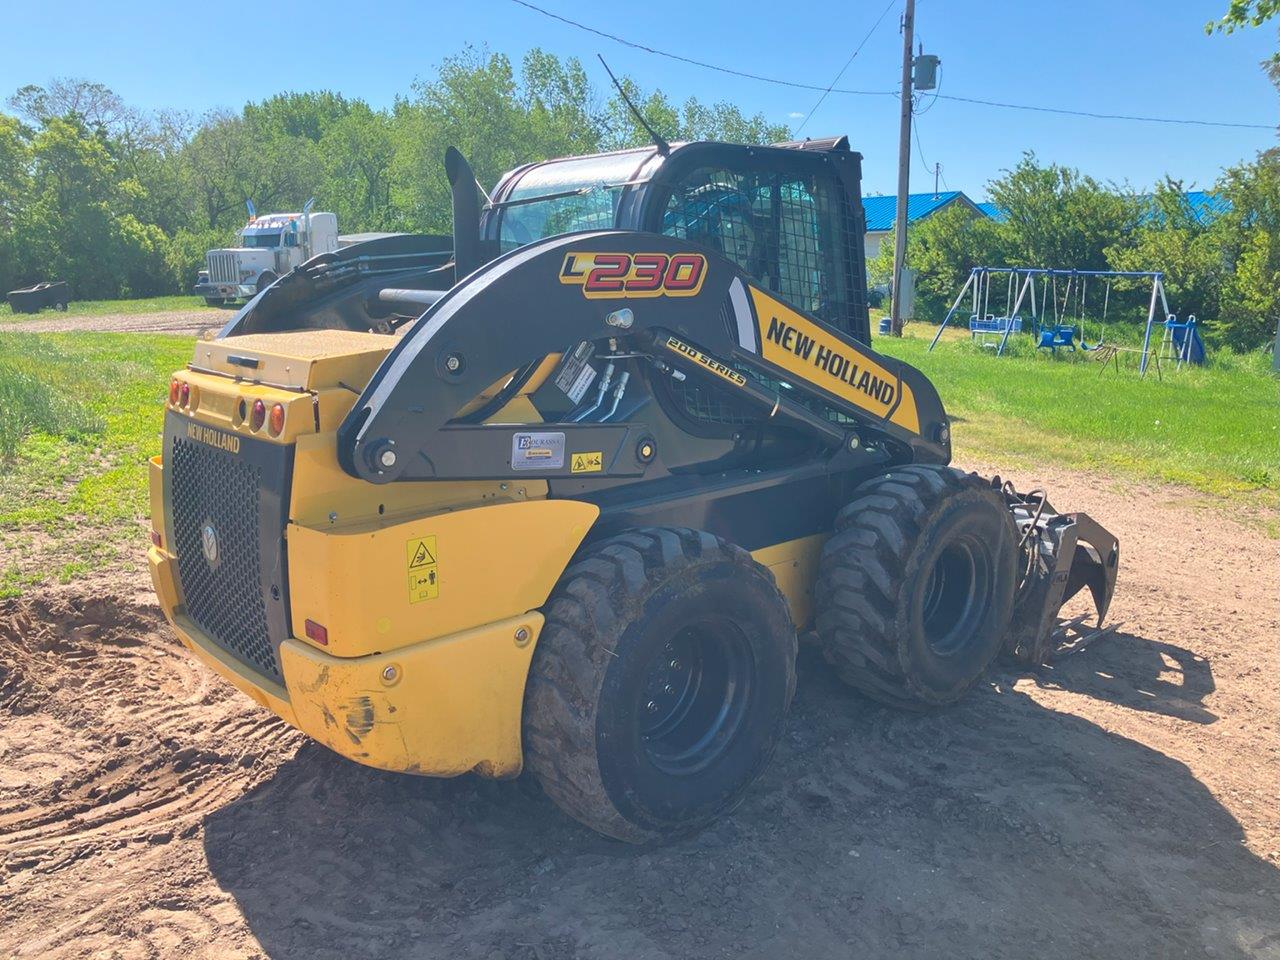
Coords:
1051,338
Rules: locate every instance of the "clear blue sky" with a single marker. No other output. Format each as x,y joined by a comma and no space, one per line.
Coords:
1150,57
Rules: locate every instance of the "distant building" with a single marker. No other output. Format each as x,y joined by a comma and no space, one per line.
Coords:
882,211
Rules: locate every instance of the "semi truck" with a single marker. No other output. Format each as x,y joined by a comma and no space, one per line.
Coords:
271,244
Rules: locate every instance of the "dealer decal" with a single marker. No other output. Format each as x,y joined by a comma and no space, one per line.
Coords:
708,363
214,438
816,356
627,275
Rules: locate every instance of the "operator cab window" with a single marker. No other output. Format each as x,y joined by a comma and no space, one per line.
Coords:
788,232
566,196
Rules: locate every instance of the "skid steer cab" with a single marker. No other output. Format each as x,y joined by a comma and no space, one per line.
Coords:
557,492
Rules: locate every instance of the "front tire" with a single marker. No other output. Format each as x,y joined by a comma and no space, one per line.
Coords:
915,589
660,684
214,301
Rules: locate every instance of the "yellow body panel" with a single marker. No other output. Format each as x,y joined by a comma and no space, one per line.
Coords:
301,359
485,564
444,707
794,565
458,686
324,494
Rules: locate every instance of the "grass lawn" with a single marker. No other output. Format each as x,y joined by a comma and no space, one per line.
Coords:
81,413
79,416
100,307
1215,428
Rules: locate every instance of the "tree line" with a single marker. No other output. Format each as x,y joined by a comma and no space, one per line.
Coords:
124,203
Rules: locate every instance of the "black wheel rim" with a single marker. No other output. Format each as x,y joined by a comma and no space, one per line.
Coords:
694,696
957,595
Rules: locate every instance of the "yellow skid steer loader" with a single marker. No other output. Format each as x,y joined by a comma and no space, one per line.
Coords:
557,492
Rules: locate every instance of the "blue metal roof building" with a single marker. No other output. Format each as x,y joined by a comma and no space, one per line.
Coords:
881,210
1204,206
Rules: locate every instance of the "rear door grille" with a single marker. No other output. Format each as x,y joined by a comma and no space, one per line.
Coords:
229,509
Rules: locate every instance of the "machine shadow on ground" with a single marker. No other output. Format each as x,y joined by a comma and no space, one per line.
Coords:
1140,674
999,828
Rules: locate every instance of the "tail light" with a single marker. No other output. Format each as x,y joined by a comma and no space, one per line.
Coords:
184,394
156,538
174,387
317,633
276,423
258,415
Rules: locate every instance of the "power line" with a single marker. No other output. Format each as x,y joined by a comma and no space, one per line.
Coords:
697,63
1106,116
1061,111
919,149
857,50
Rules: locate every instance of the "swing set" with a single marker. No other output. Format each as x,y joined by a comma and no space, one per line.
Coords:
1065,301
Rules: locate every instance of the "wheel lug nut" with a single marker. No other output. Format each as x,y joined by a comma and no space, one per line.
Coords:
675,664
651,707
668,689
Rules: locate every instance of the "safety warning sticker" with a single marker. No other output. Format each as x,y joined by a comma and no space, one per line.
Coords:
422,566
537,451
590,462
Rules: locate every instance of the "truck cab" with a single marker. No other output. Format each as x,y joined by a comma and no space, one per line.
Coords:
270,246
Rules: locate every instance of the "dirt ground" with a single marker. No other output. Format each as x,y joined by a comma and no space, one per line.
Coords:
1125,803
192,323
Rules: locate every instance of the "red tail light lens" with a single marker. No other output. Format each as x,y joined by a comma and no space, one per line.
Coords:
173,392
276,424
317,633
258,415
156,538
184,394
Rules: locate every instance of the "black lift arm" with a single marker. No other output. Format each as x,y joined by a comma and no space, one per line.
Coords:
662,298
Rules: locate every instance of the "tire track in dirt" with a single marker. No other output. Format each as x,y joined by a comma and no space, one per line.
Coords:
151,741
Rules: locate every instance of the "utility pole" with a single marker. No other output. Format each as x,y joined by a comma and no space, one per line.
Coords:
904,171
937,170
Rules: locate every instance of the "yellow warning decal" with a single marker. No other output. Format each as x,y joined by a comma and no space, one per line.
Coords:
816,356
710,363
590,462
421,566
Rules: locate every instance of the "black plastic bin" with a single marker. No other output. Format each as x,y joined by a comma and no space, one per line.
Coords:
34,299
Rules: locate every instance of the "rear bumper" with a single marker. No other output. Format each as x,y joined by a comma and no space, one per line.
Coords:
434,708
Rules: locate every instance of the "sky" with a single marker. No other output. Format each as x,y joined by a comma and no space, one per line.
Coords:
1141,57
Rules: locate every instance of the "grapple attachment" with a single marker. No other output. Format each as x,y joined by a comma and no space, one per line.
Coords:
1061,553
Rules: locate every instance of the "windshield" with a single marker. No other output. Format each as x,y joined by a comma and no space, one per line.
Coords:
258,239
594,185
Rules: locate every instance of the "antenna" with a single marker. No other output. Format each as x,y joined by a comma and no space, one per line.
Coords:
664,148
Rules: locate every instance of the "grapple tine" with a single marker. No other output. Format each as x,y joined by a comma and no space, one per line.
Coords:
1062,554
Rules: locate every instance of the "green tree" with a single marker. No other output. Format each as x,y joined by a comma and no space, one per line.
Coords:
1250,241
1057,217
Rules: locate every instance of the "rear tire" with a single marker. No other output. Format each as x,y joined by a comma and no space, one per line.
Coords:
264,281
214,301
660,684
915,589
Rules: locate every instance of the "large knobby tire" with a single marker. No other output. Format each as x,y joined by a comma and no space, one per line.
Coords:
915,588
660,683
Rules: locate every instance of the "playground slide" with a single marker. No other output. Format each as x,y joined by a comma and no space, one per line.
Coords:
1196,353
